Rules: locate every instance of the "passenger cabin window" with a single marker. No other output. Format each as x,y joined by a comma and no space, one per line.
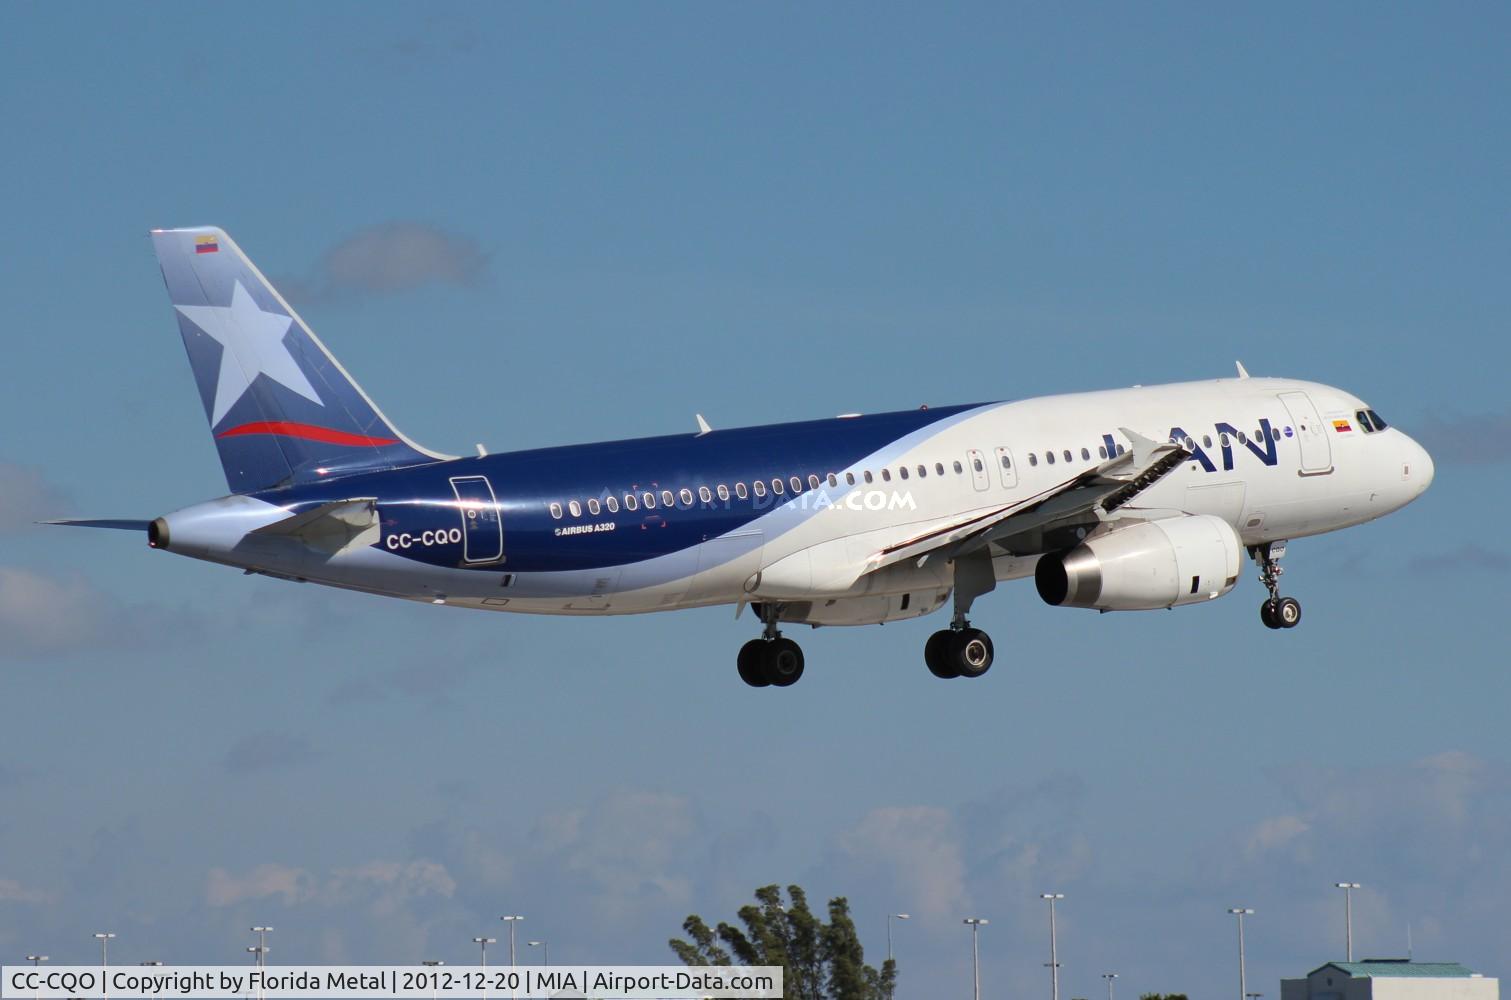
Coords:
1033,460
1066,453
740,490
1085,454
556,511
667,500
575,508
886,475
686,496
869,477
813,481
902,470
849,479
723,492
832,480
593,507
1101,451
939,468
778,487
1049,457
797,485
760,488
959,469
630,503
1206,440
923,471
612,503
650,500
705,494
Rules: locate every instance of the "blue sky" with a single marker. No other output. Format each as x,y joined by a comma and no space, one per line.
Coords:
610,218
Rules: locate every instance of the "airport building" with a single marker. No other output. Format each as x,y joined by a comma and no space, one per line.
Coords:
1391,979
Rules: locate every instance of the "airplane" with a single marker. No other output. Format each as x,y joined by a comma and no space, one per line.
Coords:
1140,498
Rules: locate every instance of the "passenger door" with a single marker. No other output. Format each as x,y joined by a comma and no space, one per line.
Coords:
1316,452
482,527
1005,466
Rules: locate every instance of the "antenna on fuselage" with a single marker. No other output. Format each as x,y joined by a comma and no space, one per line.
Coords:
1242,371
703,427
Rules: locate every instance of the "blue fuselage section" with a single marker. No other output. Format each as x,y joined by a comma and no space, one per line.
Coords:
418,506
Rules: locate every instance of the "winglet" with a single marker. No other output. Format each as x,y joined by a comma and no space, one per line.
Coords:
703,427
1143,448
1242,371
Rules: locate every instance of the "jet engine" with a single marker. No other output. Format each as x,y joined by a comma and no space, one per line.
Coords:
1149,565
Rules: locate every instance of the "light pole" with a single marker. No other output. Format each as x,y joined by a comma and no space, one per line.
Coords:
1054,960
891,917
151,961
1348,913
484,942
511,921
976,923
544,946
35,961
1243,983
104,938
435,984
1109,976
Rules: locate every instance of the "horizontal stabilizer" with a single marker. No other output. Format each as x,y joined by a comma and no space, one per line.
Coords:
118,524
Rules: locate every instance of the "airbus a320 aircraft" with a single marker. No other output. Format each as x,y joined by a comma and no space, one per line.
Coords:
1124,500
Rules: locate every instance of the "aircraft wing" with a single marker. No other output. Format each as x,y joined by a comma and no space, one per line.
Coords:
1088,497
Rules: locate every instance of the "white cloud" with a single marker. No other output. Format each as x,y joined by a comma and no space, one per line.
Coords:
25,497
918,847
12,891
40,614
392,257
1275,833
290,885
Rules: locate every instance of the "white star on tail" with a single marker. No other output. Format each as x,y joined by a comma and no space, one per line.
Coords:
252,345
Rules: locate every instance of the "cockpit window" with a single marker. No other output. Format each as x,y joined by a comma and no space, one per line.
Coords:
1363,417
1374,418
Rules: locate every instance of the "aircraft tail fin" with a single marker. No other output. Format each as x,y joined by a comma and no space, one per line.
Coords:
281,407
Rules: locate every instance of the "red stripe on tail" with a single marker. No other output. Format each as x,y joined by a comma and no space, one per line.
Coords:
309,432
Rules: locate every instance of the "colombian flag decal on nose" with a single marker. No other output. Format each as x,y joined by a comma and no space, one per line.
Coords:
1342,426
206,244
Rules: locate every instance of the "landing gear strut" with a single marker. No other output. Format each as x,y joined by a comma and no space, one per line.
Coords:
960,650
1276,611
772,660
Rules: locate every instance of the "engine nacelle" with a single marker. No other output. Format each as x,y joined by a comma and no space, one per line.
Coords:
1153,564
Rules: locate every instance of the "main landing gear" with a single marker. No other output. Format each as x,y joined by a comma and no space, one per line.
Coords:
773,659
958,651
1276,611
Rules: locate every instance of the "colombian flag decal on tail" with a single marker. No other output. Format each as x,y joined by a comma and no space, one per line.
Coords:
1343,426
206,244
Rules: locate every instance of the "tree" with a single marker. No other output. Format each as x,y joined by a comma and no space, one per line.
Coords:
820,961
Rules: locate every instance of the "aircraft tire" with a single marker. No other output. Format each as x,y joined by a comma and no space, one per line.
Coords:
936,655
782,660
1288,612
971,652
752,671
1267,614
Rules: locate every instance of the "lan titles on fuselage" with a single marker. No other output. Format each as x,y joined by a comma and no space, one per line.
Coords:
1122,500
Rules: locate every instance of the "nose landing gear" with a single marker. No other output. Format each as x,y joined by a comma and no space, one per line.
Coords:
1276,611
